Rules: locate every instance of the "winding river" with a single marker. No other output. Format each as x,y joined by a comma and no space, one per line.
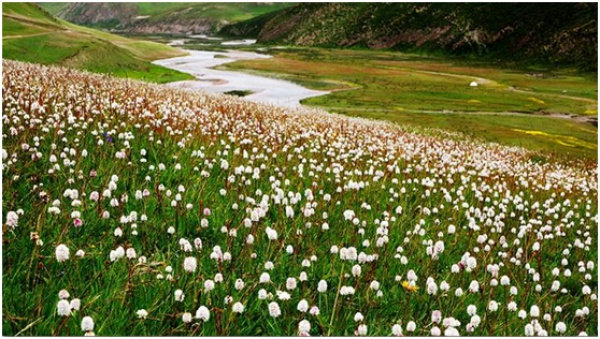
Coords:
264,90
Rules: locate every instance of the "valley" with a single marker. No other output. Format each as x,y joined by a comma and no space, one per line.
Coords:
310,169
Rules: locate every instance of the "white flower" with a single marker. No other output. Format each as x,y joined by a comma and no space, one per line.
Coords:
203,313
435,331
492,306
529,330
264,278
322,287
314,311
411,326
63,308
290,284
87,324
238,307
209,285
512,306
62,253
302,305
142,314
505,280
274,310
471,310
362,329
397,330
239,284
75,304
474,286
190,264
303,327
356,270
358,317
451,332
534,311
186,317
12,219
131,253
179,296
63,294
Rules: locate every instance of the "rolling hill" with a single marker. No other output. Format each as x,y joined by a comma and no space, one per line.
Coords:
31,34
164,17
555,32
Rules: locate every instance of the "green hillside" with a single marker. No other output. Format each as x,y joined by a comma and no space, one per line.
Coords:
161,17
31,34
562,33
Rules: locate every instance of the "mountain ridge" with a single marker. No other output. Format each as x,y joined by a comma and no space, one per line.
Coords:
165,18
552,32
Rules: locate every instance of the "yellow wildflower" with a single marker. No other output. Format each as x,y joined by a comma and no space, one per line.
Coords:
409,287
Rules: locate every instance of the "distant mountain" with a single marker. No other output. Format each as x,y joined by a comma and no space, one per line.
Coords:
31,34
163,17
555,32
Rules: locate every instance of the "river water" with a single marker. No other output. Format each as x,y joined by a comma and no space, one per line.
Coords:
264,89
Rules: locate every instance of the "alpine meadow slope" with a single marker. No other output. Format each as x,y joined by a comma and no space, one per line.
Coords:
164,17
134,209
33,35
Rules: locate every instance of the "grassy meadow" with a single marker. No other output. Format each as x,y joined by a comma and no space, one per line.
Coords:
510,106
136,209
31,35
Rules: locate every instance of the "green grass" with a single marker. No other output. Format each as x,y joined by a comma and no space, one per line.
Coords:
31,35
417,89
232,12
438,182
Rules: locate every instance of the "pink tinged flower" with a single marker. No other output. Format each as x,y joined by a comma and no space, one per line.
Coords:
397,330
203,313
529,330
362,329
304,328
435,331
77,222
94,196
62,253
436,316
206,211
451,332
302,305
238,307
274,310
63,308
87,324
63,294
12,219
75,304
190,264
93,173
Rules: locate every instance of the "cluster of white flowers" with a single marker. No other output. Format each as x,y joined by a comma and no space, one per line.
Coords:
311,212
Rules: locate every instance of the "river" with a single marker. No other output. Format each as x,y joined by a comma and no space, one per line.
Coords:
264,89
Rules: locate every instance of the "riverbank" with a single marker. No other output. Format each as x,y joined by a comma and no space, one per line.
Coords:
200,64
